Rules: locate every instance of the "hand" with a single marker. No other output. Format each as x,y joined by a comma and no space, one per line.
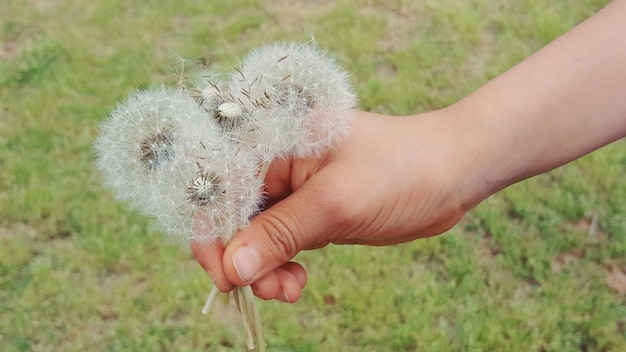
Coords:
392,180
395,179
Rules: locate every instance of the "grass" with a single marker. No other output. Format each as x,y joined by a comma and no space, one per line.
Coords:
537,267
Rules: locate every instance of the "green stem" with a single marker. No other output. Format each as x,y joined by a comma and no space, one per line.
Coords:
242,305
253,312
209,302
264,169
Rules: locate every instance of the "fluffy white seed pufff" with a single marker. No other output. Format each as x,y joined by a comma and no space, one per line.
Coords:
214,197
139,142
298,100
166,156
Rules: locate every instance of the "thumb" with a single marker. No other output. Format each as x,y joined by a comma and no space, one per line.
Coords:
277,234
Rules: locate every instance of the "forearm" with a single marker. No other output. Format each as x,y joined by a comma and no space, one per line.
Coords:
564,101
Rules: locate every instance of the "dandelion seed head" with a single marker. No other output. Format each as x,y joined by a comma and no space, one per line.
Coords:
205,189
136,140
299,99
156,149
228,207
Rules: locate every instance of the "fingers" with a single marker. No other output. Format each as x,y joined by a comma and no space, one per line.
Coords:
278,180
287,175
284,284
273,234
277,234
210,258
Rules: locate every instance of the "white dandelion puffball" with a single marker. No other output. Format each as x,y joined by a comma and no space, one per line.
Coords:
218,193
166,156
295,100
139,142
223,201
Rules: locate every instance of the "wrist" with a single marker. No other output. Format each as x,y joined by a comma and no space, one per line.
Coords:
488,158
460,163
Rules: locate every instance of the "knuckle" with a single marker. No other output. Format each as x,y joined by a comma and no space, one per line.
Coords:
280,235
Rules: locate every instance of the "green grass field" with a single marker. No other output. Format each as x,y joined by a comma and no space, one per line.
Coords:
540,266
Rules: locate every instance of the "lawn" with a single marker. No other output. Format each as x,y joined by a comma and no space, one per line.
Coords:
540,266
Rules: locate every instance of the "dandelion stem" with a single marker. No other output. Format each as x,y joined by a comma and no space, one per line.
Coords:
245,316
209,302
253,312
264,169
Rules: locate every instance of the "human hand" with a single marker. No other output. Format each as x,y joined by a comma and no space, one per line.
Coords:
392,180
395,179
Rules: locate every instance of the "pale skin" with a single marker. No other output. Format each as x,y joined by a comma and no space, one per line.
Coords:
397,179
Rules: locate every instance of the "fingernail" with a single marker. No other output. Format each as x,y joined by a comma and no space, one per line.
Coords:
247,262
286,296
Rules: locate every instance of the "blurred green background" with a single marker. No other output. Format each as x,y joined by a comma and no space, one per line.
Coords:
540,266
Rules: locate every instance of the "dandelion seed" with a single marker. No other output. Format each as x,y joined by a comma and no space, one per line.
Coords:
240,72
217,89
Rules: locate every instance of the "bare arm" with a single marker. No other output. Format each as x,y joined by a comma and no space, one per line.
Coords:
564,101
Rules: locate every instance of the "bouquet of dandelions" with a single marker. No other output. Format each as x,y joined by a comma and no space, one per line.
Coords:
195,156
